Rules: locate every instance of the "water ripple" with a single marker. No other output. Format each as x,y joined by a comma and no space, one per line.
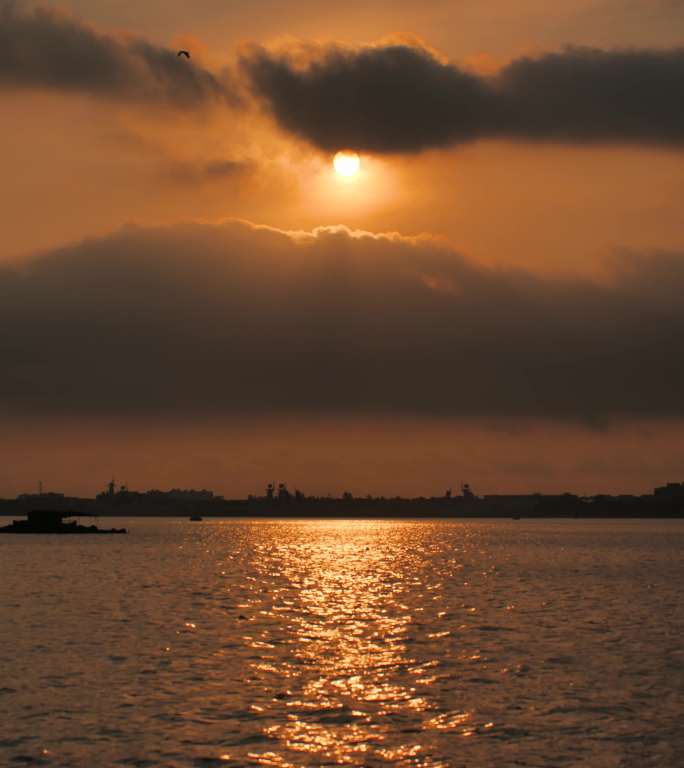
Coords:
375,643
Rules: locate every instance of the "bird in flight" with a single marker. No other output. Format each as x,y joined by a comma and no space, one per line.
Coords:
183,53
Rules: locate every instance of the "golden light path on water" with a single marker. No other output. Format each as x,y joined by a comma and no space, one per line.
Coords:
350,679
348,634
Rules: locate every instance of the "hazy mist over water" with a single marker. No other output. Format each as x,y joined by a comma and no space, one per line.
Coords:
306,643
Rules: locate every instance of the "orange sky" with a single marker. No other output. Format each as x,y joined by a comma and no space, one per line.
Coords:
78,166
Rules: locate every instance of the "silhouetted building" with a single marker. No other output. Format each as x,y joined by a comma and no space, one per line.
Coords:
190,494
669,491
513,503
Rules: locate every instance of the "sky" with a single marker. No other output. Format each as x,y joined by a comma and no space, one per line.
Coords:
190,296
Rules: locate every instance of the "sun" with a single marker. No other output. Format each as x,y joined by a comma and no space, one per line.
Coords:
346,163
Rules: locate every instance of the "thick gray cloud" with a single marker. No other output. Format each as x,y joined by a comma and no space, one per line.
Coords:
202,321
45,49
400,98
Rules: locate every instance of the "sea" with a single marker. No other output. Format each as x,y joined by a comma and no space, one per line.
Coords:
238,643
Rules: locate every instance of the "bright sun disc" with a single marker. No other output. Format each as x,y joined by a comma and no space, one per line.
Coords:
346,163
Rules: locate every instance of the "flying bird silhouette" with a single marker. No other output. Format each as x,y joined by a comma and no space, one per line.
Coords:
183,53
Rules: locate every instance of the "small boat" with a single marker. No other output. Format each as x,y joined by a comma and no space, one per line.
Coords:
196,518
51,521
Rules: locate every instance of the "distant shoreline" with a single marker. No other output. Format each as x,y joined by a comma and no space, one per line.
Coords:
387,516
666,502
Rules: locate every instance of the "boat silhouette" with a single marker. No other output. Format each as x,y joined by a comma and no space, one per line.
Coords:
52,521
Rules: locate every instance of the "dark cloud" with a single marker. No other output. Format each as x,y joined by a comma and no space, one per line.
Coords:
400,98
43,48
200,321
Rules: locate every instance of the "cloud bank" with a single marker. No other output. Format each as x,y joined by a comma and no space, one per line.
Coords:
42,48
212,322
383,99
400,98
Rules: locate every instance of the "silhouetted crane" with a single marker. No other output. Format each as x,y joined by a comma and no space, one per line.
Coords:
183,53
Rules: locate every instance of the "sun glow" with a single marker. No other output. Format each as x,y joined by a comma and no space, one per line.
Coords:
336,196
346,163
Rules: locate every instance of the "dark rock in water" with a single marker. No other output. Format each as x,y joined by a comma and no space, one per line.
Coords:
51,521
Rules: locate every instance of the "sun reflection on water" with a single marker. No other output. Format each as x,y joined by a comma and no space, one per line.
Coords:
349,675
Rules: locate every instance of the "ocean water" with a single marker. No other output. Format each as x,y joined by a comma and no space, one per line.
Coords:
374,643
